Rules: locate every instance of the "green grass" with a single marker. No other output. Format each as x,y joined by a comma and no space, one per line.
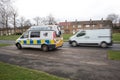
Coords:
116,37
10,37
66,36
114,55
12,72
2,45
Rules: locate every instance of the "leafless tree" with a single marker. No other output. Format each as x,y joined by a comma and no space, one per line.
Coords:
44,21
50,19
27,23
14,16
5,13
113,17
22,22
38,20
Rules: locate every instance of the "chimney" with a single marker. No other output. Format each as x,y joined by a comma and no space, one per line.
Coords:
101,19
65,20
90,21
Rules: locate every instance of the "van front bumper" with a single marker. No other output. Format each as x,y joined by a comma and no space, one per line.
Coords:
70,42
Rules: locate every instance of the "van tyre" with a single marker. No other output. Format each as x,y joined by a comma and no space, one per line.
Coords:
19,46
74,44
103,45
45,48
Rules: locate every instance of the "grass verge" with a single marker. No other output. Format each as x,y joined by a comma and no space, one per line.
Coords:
12,72
116,37
114,55
10,37
66,36
2,45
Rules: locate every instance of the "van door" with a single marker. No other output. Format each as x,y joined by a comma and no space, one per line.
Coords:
24,38
35,39
81,37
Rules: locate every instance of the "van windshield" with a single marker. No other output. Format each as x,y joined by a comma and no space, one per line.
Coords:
25,35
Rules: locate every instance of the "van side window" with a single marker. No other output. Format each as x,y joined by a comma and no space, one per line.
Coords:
82,33
35,34
45,34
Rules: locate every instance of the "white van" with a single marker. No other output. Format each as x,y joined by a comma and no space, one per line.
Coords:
46,37
101,37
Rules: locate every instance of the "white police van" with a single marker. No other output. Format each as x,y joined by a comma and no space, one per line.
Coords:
46,37
101,37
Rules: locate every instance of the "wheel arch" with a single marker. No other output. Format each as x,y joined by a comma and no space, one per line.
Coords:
102,42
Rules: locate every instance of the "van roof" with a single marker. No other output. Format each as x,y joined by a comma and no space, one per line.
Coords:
40,30
42,27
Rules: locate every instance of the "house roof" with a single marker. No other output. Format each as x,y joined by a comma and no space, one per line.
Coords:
85,22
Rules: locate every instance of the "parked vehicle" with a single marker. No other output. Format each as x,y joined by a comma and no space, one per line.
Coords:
46,37
101,37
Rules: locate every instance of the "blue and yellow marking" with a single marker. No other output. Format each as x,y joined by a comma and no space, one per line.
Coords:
34,42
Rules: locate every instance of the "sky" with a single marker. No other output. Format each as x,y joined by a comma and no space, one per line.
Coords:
68,9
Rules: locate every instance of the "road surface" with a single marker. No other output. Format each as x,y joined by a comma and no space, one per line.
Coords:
78,63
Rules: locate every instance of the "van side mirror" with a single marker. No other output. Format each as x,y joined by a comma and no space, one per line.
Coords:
22,36
60,33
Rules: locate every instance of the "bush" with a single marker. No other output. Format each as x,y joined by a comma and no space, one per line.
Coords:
19,33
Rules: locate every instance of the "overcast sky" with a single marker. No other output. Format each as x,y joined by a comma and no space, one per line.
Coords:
68,9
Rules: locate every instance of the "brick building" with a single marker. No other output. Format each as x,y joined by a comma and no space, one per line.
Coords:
74,26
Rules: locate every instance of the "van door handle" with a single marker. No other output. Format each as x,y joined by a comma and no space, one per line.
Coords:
87,37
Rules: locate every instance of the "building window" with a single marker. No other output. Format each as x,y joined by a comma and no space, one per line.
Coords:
73,26
93,25
87,26
73,31
62,31
67,27
79,26
62,27
78,29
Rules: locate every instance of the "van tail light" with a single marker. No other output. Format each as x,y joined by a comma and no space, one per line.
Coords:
54,35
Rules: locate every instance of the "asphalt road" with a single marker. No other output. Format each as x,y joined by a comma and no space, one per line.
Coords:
75,63
66,45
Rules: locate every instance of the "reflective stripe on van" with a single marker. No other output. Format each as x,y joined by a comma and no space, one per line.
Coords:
34,42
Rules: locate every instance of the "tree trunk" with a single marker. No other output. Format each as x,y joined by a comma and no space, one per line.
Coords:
14,24
7,33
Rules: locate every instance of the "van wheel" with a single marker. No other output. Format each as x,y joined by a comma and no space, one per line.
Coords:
45,48
74,44
103,45
19,46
